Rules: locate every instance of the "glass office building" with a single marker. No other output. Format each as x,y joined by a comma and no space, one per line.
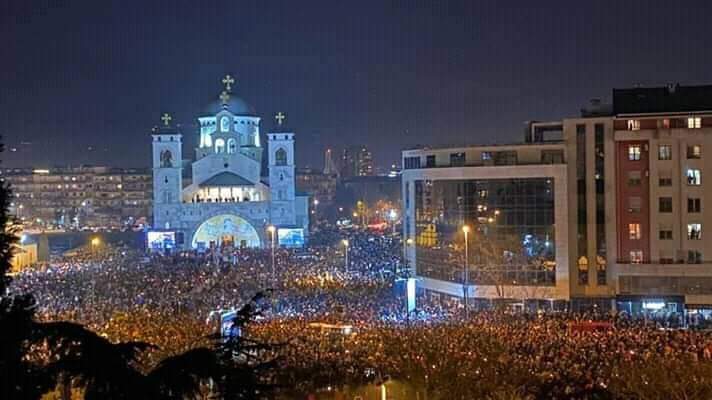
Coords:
511,239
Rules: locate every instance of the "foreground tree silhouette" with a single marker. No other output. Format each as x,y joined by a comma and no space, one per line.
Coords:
37,356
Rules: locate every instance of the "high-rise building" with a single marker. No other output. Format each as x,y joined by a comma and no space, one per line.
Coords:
356,161
329,165
605,209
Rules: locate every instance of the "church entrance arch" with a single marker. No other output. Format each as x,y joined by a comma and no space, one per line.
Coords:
225,230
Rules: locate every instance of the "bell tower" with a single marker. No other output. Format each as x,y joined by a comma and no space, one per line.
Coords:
281,174
167,176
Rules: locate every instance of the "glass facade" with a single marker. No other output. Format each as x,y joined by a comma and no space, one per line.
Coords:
600,205
511,239
582,215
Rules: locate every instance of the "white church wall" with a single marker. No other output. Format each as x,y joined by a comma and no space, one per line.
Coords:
237,163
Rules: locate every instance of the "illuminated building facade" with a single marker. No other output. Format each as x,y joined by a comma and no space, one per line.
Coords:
228,202
79,197
628,228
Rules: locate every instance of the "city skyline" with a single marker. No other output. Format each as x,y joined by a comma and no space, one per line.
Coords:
415,76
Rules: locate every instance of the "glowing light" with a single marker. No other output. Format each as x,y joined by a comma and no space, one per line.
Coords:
95,241
345,243
465,229
40,171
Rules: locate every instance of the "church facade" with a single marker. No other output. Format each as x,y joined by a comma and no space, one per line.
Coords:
230,199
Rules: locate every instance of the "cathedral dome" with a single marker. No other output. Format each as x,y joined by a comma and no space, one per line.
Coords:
235,105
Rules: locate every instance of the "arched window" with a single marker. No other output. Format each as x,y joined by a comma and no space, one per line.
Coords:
224,124
219,146
280,157
231,146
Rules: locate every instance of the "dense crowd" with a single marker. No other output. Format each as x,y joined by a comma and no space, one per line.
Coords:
175,302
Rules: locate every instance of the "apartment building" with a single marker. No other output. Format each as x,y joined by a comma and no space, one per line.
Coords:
80,197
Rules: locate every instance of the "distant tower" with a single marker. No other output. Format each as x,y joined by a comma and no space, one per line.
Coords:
329,166
167,186
281,175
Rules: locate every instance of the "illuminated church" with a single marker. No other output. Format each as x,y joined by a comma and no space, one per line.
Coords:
230,200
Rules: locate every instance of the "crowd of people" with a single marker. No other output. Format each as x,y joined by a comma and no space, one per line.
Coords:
341,325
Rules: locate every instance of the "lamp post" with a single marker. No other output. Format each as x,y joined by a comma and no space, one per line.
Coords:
346,258
465,270
94,245
272,230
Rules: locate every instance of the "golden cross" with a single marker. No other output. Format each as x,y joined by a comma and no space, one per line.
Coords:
279,117
166,118
228,81
224,97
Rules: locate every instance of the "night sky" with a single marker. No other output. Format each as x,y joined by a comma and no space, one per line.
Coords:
85,81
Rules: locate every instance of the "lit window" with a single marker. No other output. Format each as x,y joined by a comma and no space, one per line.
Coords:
219,145
486,155
694,122
694,177
634,231
633,124
664,152
694,151
634,152
636,256
694,231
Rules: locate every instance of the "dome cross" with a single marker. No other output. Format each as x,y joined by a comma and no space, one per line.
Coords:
228,81
224,97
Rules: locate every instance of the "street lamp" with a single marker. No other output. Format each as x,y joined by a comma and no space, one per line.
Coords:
408,242
346,258
465,275
271,229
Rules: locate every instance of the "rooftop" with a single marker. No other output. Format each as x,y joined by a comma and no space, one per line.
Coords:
226,179
665,99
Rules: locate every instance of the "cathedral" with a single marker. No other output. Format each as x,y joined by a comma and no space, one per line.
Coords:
225,198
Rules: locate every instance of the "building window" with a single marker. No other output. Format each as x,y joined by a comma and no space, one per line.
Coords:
665,204
634,231
583,270
634,204
634,152
486,155
430,161
665,181
633,124
694,151
280,157
457,159
636,256
634,178
411,163
665,234
664,152
693,177
694,122
219,146
224,124
694,205
694,231
694,257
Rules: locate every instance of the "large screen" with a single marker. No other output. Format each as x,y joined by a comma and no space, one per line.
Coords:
161,240
291,237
